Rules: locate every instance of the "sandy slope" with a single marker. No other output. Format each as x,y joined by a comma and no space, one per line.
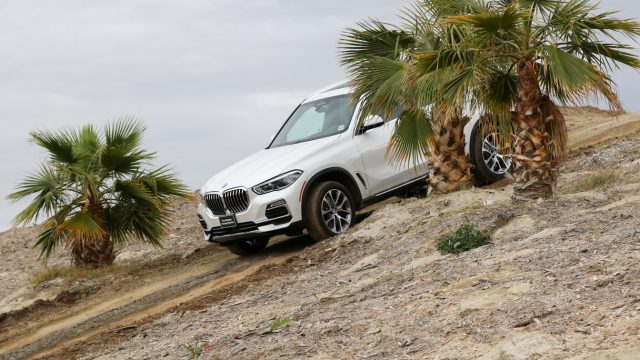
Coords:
588,126
557,282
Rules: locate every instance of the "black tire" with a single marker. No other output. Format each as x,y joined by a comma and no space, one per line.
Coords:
248,247
315,223
482,173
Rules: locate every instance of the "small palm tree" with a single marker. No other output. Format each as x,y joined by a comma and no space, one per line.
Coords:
522,55
94,192
381,62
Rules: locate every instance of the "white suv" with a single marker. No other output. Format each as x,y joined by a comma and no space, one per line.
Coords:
320,168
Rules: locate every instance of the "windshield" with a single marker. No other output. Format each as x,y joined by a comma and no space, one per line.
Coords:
315,120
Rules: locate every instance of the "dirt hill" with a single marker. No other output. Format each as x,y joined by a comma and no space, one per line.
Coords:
558,280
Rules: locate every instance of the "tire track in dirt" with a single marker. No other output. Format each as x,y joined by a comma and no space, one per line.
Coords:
135,305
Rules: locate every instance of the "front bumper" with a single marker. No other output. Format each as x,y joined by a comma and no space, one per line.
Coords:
246,231
254,222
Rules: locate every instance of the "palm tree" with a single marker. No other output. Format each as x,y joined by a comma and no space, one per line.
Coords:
520,55
94,192
381,63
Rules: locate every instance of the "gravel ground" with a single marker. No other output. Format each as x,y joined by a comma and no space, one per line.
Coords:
558,281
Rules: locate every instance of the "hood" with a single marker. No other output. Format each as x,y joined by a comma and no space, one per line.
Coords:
266,164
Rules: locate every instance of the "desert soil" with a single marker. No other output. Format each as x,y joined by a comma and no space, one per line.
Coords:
558,281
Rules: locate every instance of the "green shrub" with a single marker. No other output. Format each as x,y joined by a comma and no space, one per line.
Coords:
467,237
199,348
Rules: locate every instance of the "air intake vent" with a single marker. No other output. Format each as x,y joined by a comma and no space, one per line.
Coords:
276,212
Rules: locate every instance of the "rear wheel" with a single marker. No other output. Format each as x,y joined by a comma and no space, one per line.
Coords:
491,161
248,247
329,210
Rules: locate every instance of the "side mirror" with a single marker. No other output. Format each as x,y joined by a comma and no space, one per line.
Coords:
371,122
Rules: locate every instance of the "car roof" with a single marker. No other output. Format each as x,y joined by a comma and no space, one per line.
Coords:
337,89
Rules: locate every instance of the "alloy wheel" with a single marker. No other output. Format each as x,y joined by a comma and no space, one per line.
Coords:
336,211
498,159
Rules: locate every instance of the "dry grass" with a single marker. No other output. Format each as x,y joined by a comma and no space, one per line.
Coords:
72,273
596,180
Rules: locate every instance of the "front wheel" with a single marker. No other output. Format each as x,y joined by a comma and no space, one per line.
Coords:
248,247
491,160
329,210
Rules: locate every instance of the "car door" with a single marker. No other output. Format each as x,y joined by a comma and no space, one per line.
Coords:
381,174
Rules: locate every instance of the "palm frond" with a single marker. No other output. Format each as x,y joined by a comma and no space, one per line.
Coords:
498,92
82,226
535,6
441,9
49,187
87,143
122,161
124,133
85,179
417,20
571,79
410,141
163,184
50,237
122,154
60,145
133,190
379,85
444,58
139,220
373,39
490,25
141,208
578,20
607,56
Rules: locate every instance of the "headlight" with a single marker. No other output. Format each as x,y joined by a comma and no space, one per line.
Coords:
277,183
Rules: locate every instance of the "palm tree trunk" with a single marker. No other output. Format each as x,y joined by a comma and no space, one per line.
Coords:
450,169
535,168
94,251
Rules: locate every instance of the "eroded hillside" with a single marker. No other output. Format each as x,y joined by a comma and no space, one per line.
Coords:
558,281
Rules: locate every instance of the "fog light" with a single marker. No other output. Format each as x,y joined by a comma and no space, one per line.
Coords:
276,204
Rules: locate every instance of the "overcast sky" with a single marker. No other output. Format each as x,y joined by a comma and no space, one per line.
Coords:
213,79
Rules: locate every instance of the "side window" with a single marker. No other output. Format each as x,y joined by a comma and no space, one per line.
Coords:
310,123
395,115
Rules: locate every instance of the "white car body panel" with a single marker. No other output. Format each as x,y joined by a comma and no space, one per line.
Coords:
383,175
